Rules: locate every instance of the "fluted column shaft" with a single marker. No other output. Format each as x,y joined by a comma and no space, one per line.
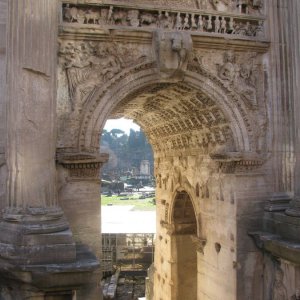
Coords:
31,77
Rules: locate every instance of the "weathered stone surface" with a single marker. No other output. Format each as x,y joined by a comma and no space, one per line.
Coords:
214,85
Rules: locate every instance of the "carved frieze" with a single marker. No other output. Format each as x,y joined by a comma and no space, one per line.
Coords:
230,17
252,7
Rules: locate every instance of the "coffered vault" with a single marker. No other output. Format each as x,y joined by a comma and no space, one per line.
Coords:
214,86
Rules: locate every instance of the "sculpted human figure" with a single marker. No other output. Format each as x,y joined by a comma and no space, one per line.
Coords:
179,47
228,69
110,15
178,22
85,67
209,23
297,295
200,23
245,84
223,25
231,25
217,25
240,76
168,21
186,24
259,32
159,19
279,290
193,21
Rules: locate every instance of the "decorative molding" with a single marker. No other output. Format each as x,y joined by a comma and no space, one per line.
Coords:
83,166
278,202
232,162
288,250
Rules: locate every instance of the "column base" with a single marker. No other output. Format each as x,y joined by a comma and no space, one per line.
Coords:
294,209
36,236
278,202
50,281
277,246
279,223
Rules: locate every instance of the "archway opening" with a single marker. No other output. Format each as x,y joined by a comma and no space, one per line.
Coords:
184,125
128,219
185,229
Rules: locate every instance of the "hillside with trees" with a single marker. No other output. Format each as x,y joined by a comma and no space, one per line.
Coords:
126,153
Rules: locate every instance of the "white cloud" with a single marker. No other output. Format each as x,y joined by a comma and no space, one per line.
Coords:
122,123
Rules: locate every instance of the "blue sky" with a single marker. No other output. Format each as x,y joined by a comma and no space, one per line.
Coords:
123,124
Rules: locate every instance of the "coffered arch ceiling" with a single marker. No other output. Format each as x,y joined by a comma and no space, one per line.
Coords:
176,116
196,113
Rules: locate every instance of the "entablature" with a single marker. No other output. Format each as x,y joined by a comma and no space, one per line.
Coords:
122,21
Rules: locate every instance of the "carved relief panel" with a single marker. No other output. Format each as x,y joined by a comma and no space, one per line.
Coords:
241,18
241,73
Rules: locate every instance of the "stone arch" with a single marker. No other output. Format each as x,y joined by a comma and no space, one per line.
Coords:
174,147
102,102
183,214
184,221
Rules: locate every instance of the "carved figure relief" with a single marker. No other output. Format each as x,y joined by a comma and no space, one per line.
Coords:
297,295
240,76
220,5
172,52
279,291
120,16
88,64
133,18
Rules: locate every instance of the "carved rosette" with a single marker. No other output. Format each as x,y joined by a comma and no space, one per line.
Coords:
83,167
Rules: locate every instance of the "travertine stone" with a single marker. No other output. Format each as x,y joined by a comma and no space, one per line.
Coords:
214,85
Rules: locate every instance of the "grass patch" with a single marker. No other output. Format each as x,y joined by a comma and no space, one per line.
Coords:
139,204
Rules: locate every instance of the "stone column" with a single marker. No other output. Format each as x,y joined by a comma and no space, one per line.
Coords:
292,33
33,229
282,104
3,28
79,196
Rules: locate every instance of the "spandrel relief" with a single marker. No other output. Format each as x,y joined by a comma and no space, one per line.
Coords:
91,64
241,74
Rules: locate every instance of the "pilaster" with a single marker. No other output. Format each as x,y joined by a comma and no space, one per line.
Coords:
79,196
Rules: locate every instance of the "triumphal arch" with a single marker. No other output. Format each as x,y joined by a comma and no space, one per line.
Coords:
214,84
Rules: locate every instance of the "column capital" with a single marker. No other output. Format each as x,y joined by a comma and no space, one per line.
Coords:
82,166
